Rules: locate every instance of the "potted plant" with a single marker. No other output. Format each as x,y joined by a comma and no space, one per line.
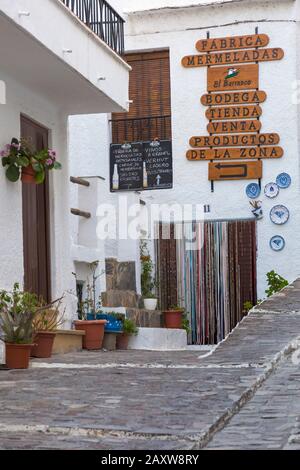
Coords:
88,322
45,325
148,282
174,317
17,312
129,329
20,159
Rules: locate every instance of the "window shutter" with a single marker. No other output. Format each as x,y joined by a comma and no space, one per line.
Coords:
149,89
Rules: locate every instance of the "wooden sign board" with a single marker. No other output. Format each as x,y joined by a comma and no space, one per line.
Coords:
252,153
237,140
233,58
244,77
232,43
235,171
240,97
237,112
232,127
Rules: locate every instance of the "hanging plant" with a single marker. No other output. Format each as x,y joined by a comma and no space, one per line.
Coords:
21,161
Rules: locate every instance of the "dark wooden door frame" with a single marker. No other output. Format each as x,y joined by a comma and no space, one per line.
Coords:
39,196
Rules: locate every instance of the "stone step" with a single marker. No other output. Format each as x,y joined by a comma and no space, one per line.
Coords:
159,339
121,298
145,318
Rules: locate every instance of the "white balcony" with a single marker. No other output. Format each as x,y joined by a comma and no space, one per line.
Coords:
45,47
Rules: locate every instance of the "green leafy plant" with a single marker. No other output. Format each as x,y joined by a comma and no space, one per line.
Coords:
17,312
275,283
148,281
117,316
248,306
186,324
129,327
20,154
177,308
50,318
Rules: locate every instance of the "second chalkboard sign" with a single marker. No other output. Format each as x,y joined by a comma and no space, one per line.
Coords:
141,166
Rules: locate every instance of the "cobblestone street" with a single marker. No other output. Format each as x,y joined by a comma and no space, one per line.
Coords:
243,395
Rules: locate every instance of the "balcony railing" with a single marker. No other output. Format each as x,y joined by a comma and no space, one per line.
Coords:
102,19
141,129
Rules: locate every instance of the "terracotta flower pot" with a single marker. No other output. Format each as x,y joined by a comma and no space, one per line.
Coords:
43,344
17,355
94,333
123,341
28,175
173,319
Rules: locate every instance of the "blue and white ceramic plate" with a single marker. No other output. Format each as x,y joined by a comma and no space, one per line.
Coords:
279,215
253,190
271,190
284,180
277,243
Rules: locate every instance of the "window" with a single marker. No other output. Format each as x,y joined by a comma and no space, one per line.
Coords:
149,116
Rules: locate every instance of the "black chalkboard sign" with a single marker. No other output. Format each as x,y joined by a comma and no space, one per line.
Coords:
141,166
126,167
158,164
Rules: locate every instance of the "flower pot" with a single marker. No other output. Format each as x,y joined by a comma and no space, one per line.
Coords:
113,325
173,319
94,333
123,341
150,304
28,175
43,344
17,355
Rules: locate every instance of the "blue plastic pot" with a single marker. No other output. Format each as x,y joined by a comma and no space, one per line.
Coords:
112,326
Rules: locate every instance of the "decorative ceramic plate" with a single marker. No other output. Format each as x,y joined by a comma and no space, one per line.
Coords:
277,243
253,190
284,180
279,215
271,190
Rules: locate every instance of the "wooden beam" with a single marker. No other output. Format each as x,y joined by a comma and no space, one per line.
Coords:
86,215
79,181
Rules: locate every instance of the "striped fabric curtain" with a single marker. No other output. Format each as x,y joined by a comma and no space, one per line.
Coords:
215,275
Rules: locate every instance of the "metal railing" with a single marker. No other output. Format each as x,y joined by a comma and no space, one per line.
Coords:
102,19
141,129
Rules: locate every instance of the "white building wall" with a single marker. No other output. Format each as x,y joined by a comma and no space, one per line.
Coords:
178,30
19,101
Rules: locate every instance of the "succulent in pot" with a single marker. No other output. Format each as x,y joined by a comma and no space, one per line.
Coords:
45,325
17,312
129,329
21,160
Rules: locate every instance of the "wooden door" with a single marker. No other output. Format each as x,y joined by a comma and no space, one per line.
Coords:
36,243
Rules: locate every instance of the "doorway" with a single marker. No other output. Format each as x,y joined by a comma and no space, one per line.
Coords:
210,269
36,220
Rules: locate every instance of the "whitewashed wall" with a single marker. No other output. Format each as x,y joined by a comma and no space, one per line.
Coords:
22,100
179,30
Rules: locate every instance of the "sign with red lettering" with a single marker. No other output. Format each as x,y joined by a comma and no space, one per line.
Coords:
244,77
